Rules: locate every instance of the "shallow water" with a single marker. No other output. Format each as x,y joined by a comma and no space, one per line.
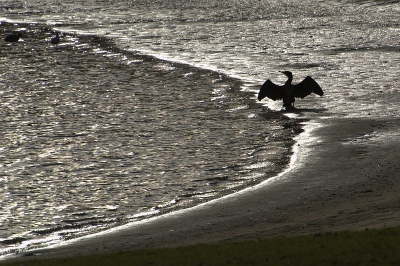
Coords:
95,134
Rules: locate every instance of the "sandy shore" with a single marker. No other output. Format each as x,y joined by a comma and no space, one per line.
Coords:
345,177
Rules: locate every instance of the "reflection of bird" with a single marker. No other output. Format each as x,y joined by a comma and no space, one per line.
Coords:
289,91
13,38
55,40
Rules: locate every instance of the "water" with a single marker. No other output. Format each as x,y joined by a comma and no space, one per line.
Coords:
96,134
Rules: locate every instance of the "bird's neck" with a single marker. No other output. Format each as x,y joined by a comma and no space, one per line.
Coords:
289,81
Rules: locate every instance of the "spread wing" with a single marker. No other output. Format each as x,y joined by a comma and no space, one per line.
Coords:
306,87
270,90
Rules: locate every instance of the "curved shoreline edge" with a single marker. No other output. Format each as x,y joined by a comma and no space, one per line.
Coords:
333,187
285,139
347,180
301,143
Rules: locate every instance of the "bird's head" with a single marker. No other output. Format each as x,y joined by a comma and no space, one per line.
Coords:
288,74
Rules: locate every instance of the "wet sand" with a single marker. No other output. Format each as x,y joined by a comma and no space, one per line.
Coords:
346,178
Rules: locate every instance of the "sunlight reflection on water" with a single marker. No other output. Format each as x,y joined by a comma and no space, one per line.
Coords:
82,132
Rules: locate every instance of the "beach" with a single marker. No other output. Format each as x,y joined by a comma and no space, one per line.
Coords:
345,179
142,128
95,137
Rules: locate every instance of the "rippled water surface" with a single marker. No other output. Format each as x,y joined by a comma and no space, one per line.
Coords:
346,45
96,134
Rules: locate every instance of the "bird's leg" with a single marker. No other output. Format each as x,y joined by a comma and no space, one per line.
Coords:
287,106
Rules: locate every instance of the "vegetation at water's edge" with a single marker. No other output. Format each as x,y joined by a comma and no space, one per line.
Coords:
370,247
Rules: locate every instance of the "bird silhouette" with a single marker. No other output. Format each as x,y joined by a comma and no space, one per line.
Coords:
289,91
13,37
55,40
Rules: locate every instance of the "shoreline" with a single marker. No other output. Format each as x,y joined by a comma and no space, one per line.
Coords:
344,179
179,212
36,42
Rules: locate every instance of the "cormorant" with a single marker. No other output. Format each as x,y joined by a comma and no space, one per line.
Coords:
55,40
289,91
13,37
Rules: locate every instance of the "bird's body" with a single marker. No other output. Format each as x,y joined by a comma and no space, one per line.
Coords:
55,40
13,37
288,92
